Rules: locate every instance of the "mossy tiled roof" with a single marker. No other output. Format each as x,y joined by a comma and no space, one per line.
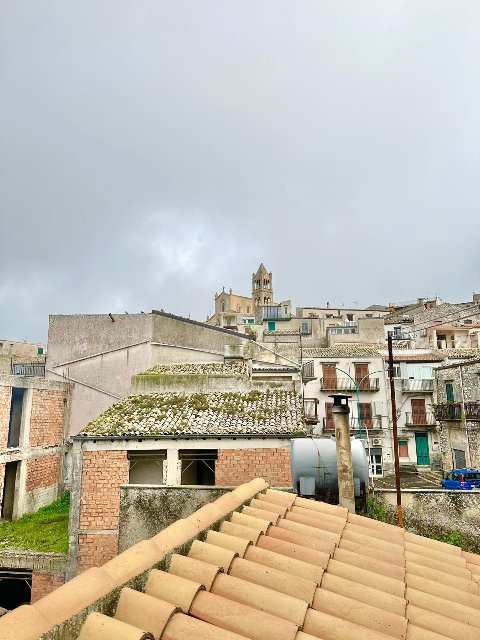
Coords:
344,351
200,368
177,414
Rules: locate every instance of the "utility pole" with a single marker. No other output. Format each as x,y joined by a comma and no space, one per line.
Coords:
395,432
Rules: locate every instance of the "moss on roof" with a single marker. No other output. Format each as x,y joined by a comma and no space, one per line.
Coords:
200,368
252,412
344,350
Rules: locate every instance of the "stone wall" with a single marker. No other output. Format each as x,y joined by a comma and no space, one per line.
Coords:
438,512
236,466
102,474
146,509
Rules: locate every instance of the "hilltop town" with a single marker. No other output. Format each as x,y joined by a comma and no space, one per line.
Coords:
132,413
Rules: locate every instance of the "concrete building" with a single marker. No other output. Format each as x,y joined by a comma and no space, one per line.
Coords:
22,358
415,397
458,413
33,430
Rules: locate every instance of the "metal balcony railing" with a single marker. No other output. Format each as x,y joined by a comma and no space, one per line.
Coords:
28,369
453,411
373,424
426,385
345,384
472,410
448,411
420,419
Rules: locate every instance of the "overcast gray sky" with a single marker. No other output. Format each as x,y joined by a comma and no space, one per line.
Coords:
154,151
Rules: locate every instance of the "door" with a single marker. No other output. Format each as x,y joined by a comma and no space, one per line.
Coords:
361,370
421,445
366,414
419,411
459,459
329,415
329,377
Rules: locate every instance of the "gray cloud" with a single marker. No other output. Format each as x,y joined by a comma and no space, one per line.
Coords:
153,152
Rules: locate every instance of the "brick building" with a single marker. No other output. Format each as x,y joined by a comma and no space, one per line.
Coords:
220,438
33,428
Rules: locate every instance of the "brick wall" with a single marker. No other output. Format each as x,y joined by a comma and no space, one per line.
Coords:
5,402
42,472
96,549
236,466
46,422
44,583
102,474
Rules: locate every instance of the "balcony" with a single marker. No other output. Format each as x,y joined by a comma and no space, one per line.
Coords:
420,419
372,424
345,384
401,335
448,411
414,386
472,410
453,411
28,369
310,409
275,313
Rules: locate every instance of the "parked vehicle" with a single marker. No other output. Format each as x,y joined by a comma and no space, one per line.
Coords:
461,479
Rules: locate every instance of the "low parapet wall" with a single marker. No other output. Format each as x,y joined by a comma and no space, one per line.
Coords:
438,512
147,509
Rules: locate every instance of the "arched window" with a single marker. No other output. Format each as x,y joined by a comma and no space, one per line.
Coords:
223,306
238,308
248,309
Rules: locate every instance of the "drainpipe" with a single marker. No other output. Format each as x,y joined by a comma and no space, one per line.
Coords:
346,490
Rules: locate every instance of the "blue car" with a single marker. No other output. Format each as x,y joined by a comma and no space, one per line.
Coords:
462,479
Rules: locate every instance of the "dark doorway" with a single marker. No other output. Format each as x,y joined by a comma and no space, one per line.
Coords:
8,498
198,466
16,410
15,587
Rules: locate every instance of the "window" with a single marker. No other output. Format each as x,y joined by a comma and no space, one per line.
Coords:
248,309
223,307
329,415
419,372
376,463
285,310
361,374
396,371
304,328
449,392
271,326
40,351
251,320
369,315
350,317
147,467
403,448
198,466
366,414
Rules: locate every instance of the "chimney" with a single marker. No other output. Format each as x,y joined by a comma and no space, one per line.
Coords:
346,490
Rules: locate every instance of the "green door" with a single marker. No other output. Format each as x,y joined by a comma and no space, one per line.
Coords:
421,444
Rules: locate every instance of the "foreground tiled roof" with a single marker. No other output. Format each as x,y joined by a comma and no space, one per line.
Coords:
345,350
176,414
200,368
269,566
421,357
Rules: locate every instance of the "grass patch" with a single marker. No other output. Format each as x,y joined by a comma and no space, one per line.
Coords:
45,530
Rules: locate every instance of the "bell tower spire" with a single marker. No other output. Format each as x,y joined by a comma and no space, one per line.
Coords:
262,287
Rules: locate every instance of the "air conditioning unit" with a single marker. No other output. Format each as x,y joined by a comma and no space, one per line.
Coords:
376,442
378,407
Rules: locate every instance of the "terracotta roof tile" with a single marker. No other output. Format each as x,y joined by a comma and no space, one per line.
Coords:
364,580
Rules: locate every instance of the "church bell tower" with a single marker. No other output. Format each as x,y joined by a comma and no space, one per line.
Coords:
262,287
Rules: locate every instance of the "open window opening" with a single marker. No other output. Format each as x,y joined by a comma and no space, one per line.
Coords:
198,466
147,467
8,497
15,588
16,412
